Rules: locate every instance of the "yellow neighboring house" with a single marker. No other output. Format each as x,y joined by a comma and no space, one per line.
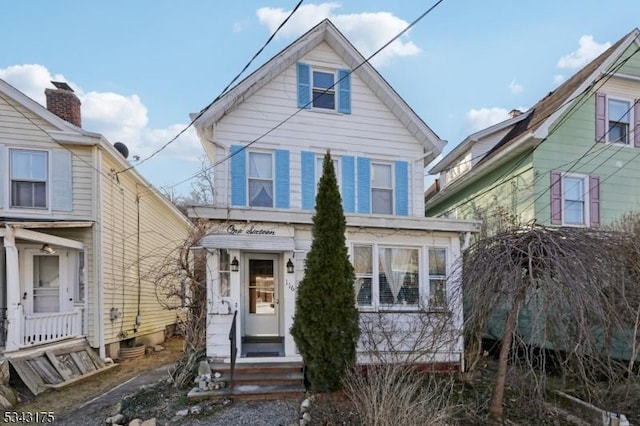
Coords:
78,241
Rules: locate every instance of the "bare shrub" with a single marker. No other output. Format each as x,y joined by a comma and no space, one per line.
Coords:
398,394
181,277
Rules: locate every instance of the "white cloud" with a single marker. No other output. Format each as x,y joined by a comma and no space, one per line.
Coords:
120,118
367,31
481,118
588,49
558,78
515,88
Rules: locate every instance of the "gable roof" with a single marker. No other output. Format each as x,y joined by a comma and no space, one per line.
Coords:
533,128
325,31
69,134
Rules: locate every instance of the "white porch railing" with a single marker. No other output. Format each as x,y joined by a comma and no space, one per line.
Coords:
45,328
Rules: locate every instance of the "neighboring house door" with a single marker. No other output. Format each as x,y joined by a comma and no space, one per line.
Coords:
48,282
261,296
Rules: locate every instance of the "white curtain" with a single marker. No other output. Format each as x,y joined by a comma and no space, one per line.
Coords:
400,258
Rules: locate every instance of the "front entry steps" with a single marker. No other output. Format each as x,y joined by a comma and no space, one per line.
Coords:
262,346
254,381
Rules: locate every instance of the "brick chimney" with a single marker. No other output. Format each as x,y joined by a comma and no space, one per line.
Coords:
64,103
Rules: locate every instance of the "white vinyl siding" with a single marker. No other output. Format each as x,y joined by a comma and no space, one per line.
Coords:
371,128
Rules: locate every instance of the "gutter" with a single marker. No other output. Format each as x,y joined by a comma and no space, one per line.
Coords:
525,141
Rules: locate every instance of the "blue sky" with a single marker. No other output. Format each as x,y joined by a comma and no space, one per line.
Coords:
140,67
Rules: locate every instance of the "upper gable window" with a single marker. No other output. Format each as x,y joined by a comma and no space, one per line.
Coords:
324,89
619,120
324,95
260,179
616,117
28,174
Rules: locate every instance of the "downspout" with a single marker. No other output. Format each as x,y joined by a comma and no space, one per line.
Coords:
97,249
138,317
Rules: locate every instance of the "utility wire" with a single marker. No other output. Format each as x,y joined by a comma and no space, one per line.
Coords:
205,109
277,126
592,87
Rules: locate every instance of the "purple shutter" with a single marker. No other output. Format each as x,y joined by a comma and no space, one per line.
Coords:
556,198
601,117
636,123
594,201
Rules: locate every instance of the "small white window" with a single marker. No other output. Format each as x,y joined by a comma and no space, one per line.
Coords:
619,119
224,289
324,95
260,179
574,195
381,189
437,278
28,173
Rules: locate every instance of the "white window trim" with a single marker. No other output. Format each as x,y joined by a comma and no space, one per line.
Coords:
393,186
424,290
334,88
273,177
631,114
586,199
9,186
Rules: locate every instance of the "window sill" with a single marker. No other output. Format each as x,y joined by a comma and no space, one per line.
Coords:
401,310
325,111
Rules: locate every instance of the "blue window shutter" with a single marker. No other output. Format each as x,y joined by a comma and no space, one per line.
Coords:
344,91
402,188
282,179
61,185
348,184
308,183
364,185
238,176
3,170
304,85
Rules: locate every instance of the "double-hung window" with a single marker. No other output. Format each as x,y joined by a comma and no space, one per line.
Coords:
575,199
28,173
324,94
224,275
437,278
619,120
260,179
381,188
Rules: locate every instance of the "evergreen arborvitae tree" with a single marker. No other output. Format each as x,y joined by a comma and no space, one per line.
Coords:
325,327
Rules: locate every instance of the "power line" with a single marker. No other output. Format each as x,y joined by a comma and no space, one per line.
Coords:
592,87
277,126
205,109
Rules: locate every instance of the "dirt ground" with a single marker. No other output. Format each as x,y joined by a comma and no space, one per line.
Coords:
62,401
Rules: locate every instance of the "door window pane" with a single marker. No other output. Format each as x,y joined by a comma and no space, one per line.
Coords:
46,284
261,287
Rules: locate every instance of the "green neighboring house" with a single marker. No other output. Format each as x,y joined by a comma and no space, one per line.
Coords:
573,159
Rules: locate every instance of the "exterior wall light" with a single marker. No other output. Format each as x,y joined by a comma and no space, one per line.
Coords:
234,264
290,267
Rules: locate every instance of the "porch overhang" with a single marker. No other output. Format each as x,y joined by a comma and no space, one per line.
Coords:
248,242
19,232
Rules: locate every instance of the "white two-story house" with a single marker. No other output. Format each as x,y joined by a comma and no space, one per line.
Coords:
266,139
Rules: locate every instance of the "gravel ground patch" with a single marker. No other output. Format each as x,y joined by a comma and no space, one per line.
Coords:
258,413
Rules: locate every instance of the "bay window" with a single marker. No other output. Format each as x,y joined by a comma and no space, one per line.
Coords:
389,277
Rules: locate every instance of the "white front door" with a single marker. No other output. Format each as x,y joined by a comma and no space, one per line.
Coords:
261,295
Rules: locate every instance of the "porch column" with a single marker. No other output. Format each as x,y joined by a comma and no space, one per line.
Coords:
14,306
